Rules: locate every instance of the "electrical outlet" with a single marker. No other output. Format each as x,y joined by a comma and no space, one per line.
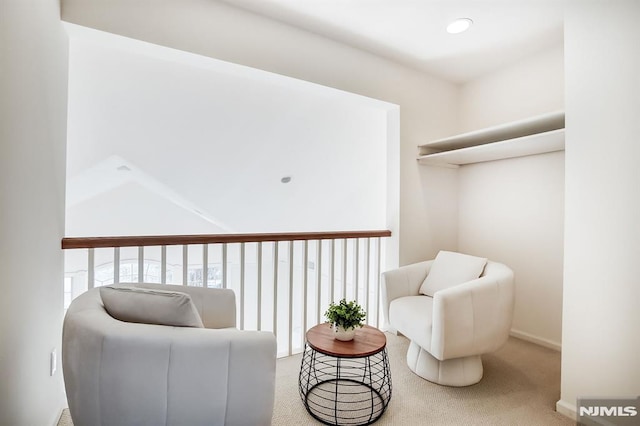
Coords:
53,364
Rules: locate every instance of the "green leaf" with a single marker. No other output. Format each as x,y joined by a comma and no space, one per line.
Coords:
346,314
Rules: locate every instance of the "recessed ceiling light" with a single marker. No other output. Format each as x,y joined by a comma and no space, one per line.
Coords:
459,25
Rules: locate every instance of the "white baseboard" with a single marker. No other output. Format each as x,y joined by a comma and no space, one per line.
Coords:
61,409
57,419
535,339
566,409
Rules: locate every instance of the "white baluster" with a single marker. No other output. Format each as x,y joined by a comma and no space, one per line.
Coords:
116,265
91,268
141,264
163,264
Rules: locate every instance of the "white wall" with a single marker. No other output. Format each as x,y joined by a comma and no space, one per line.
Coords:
33,60
427,105
221,136
512,210
131,209
531,86
601,338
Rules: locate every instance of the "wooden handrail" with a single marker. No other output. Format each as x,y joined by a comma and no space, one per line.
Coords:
169,240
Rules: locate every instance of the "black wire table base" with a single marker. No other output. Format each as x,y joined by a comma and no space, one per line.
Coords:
345,391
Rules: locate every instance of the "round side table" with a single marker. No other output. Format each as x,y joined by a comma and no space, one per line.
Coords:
345,383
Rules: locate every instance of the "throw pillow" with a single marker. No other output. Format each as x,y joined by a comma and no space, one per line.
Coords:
449,269
143,305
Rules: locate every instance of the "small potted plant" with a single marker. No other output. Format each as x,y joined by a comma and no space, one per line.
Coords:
344,317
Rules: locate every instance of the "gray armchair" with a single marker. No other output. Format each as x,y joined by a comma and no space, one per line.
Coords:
126,373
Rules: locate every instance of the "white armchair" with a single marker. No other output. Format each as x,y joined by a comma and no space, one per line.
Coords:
126,373
450,330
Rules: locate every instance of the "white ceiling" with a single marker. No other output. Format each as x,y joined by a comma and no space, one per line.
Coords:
413,31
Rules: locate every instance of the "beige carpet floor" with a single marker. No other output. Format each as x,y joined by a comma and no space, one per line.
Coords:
521,385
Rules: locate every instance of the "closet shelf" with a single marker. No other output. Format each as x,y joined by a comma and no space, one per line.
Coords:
536,135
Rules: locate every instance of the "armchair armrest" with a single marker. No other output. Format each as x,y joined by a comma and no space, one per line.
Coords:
235,376
474,317
252,364
404,281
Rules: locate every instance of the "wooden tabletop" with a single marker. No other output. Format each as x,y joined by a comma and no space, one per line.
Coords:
368,341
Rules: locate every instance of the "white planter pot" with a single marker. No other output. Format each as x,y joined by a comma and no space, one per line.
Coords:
343,334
